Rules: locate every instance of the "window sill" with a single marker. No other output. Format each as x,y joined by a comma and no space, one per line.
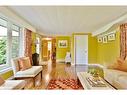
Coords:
5,70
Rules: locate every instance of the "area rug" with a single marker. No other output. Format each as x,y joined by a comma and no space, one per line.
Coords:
64,84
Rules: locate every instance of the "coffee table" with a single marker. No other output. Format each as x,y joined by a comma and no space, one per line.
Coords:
86,85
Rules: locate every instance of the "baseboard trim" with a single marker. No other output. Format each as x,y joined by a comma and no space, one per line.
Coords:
60,60
90,64
95,64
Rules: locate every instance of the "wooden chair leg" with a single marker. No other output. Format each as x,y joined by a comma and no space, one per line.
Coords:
34,83
41,75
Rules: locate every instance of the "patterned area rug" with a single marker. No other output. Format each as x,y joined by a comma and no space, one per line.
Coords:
64,84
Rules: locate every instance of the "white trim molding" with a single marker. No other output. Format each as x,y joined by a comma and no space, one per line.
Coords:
106,34
60,60
96,65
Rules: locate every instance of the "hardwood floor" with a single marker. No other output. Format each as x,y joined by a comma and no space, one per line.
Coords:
58,70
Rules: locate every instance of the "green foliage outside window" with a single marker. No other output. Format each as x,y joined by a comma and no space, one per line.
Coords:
15,49
3,50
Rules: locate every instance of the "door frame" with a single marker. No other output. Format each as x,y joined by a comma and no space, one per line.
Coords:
75,48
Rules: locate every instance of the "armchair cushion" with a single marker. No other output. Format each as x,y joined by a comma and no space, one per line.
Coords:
31,72
24,63
15,65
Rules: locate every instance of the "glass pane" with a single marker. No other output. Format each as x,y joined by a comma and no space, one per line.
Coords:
15,44
15,27
3,22
3,43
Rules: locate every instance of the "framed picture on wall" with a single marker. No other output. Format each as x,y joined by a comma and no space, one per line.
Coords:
62,43
99,39
105,39
111,37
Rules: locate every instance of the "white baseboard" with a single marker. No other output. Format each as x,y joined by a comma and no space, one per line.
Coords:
60,60
95,64
91,64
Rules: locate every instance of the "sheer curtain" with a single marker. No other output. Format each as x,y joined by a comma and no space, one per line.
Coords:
123,40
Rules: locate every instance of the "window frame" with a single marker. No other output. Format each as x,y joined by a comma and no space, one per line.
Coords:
9,42
19,32
4,66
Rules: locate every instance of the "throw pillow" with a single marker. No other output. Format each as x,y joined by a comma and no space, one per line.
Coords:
1,81
126,58
113,66
15,64
24,63
117,64
123,67
120,61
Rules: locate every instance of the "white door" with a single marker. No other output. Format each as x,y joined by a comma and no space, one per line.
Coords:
81,49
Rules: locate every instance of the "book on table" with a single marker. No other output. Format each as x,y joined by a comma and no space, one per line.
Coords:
96,82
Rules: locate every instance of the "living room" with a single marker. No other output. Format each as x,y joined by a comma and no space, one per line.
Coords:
41,47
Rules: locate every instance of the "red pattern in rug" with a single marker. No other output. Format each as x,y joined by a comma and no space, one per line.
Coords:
72,84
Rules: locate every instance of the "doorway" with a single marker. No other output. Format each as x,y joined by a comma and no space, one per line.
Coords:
48,49
81,49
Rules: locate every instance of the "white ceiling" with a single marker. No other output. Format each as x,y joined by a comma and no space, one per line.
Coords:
65,20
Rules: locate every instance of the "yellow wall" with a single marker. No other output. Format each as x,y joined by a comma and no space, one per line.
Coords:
7,74
33,42
108,52
61,52
92,47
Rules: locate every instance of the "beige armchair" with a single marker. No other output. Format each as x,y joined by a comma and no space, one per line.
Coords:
31,73
68,57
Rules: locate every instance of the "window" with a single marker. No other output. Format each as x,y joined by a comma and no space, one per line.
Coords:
3,44
9,42
15,41
3,41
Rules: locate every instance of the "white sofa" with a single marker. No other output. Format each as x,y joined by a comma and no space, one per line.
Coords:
29,73
116,78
